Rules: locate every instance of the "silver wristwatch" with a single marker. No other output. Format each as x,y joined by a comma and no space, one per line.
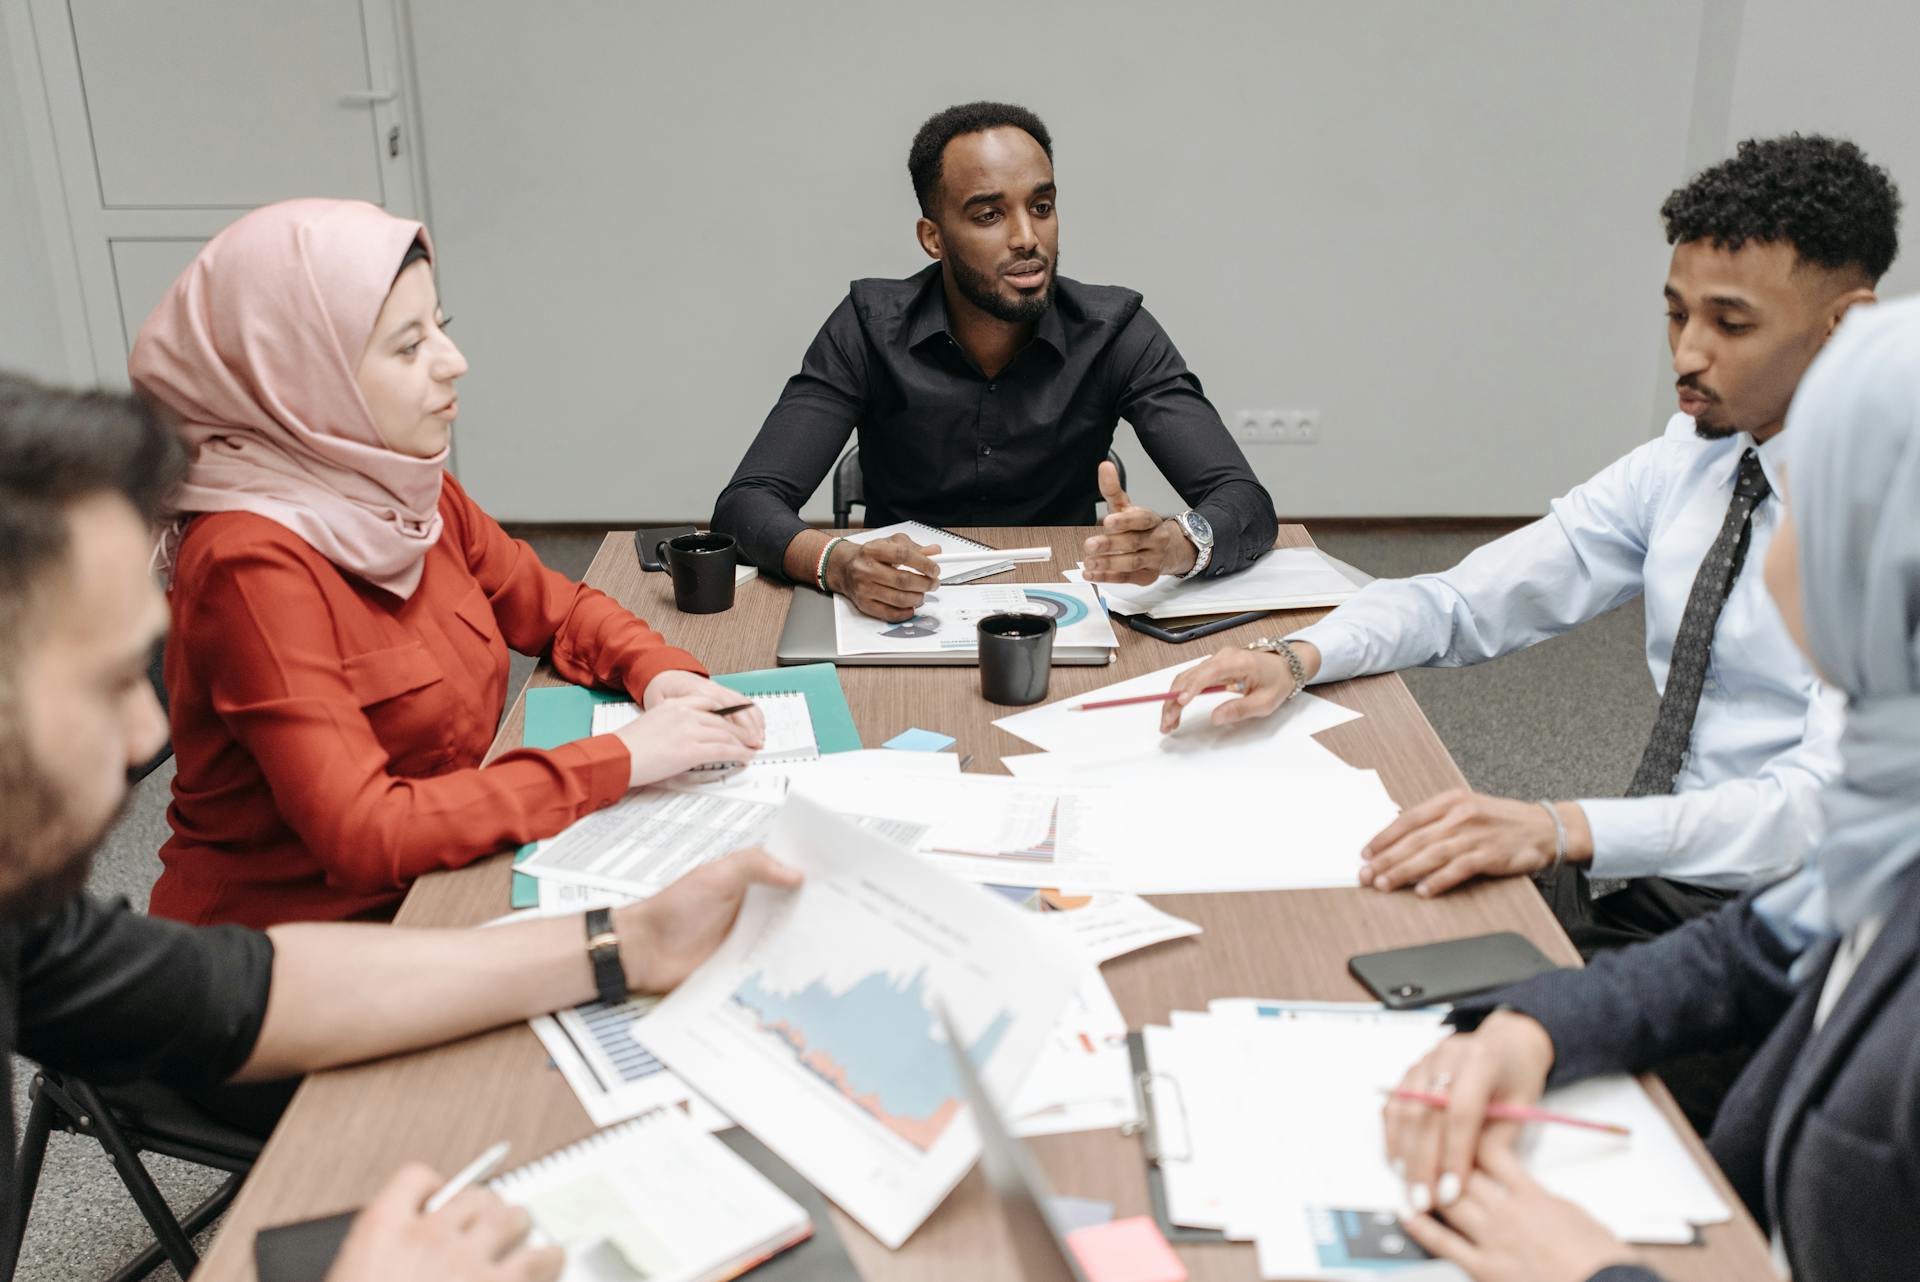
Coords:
1268,645
1199,532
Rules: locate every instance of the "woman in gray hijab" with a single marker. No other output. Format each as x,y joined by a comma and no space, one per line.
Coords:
1821,1133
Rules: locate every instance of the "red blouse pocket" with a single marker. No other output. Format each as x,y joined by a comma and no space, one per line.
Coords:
404,694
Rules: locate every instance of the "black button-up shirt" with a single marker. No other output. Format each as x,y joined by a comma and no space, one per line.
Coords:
942,443
100,991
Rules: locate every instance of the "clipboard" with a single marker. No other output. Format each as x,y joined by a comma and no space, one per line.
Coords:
1146,1083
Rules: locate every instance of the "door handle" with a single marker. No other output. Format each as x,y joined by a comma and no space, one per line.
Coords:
367,97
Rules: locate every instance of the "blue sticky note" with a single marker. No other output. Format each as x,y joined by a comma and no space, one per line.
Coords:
919,741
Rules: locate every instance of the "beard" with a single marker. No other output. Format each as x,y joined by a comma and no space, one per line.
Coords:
1713,432
46,851
980,289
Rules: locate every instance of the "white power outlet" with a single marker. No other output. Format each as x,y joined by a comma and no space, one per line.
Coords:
1277,427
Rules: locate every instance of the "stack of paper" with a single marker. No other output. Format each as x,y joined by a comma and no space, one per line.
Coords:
1267,1119
1286,579
1259,805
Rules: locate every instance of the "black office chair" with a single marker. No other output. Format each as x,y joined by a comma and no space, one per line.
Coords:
850,484
126,1121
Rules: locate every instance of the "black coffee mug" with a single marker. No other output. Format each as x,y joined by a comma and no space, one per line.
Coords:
1016,654
702,570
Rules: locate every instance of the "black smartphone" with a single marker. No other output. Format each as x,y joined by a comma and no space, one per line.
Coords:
646,542
1430,974
1204,625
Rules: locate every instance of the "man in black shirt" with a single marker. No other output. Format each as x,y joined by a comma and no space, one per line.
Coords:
102,992
985,391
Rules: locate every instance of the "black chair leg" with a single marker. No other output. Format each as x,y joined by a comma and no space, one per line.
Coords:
146,1195
202,1215
26,1174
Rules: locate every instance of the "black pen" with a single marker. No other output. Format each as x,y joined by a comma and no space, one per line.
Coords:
729,711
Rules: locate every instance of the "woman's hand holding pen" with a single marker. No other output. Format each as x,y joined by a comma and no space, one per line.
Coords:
1504,1227
678,734
674,684
1506,1059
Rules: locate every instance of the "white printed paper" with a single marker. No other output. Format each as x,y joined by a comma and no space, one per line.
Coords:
814,1024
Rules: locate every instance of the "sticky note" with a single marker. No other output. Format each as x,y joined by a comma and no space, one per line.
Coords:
919,741
1129,1250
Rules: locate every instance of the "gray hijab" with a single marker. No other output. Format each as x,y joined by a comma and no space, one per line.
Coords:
1853,481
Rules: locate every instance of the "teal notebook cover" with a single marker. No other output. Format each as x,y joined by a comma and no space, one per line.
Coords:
561,714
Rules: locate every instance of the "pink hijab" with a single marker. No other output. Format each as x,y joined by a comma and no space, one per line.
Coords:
254,349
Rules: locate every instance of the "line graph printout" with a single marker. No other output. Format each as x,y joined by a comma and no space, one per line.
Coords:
814,1024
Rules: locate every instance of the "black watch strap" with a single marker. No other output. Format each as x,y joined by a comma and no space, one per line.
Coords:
603,949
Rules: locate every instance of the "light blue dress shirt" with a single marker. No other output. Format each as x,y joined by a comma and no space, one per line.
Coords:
1766,737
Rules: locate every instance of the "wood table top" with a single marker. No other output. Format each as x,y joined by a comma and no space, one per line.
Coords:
347,1129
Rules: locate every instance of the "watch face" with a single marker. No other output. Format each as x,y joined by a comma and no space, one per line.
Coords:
1197,526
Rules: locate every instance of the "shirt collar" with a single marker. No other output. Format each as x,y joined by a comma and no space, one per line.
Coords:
1772,453
927,316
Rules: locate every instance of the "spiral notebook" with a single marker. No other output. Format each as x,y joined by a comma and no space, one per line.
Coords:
789,729
655,1199
924,535
658,1199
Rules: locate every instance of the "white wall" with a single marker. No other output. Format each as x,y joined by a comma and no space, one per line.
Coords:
1434,223
1842,67
30,335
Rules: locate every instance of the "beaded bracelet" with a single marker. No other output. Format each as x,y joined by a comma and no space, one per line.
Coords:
820,570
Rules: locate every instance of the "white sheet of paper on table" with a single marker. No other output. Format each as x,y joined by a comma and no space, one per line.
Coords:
1113,925
1083,1079
1053,727
1284,579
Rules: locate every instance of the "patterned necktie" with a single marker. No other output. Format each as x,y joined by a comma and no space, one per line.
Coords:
1687,670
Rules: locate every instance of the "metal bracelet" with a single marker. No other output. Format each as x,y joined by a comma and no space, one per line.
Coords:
1284,649
1559,838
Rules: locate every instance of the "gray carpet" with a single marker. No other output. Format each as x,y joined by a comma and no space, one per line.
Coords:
1565,719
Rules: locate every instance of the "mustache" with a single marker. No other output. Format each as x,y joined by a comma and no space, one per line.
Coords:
1692,383
1031,260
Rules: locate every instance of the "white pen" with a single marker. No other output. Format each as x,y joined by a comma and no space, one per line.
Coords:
992,554
478,1169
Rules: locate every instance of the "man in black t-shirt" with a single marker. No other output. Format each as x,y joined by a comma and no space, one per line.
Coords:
105,993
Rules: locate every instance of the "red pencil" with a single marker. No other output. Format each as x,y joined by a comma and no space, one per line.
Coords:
1511,1112
1138,698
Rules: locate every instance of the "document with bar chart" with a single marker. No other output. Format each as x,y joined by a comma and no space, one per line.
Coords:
814,1025
612,1075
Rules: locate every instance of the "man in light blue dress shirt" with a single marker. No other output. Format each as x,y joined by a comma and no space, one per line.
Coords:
1770,250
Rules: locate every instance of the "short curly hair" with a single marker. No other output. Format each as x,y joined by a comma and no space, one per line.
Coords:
1821,195
930,143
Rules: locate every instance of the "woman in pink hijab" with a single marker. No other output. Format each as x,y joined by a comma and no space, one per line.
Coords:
342,610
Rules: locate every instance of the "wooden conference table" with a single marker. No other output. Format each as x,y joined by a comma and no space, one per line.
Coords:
348,1129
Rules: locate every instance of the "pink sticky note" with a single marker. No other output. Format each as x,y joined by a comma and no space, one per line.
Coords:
1126,1251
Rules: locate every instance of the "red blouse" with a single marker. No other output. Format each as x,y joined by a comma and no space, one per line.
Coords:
329,735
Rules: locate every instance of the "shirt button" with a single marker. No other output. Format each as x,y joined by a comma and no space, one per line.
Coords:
986,449
993,387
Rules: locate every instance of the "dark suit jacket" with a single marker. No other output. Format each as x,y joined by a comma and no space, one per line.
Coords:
1821,1134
